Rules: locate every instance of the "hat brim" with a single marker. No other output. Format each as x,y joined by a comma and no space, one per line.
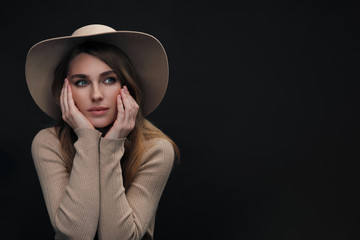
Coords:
145,52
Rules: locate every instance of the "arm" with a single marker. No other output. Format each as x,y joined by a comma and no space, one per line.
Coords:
128,215
72,200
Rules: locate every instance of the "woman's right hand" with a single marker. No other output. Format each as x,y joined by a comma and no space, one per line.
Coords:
70,113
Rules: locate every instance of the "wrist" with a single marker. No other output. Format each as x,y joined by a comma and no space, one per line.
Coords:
111,135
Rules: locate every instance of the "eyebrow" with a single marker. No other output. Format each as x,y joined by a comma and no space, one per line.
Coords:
85,76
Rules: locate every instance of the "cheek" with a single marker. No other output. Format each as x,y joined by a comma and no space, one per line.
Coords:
113,95
78,98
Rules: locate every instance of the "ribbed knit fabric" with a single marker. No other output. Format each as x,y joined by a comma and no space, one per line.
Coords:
92,198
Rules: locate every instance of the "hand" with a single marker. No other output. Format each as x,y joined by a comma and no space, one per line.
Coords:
70,113
127,109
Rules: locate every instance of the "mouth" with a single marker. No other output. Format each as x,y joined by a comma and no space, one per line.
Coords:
98,110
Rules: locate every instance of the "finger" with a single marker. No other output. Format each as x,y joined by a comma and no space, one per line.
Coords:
120,106
125,99
62,107
128,95
126,106
132,101
130,109
120,110
66,105
70,97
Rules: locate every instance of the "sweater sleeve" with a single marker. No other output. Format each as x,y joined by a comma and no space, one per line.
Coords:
72,200
128,215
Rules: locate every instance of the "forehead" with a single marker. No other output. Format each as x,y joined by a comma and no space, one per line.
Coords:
87,64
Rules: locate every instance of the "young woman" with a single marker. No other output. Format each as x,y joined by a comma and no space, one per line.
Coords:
103,167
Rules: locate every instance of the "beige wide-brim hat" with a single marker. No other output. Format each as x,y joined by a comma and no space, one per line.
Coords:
145,52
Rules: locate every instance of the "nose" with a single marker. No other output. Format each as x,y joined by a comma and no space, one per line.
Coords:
96,93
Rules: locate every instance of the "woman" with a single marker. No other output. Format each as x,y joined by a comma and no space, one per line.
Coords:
103,167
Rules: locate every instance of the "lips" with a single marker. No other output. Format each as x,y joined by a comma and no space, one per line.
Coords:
98,110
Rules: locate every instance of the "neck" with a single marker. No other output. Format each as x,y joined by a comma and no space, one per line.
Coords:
104,130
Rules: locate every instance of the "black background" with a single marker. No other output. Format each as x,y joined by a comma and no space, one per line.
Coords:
262,101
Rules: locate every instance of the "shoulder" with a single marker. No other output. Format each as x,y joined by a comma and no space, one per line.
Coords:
45,135
159,142
45,138
160,152
160,145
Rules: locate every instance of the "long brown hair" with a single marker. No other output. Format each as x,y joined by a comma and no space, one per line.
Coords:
144,130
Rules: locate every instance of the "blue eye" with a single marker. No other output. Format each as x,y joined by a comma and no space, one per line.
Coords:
81,83
110,80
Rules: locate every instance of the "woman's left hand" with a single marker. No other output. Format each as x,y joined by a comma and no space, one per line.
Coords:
127,110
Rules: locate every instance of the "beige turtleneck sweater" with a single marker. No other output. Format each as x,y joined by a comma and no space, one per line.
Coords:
92,197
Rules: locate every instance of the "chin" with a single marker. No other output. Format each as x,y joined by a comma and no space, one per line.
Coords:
101,124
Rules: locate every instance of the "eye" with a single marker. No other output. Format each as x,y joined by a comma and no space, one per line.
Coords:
81,83
110,80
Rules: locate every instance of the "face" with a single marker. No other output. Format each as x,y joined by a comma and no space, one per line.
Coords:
95,87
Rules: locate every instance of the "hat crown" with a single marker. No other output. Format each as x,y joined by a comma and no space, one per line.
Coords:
92,29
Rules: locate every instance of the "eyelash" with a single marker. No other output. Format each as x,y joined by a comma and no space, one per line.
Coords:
112,79
78,83
82,83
